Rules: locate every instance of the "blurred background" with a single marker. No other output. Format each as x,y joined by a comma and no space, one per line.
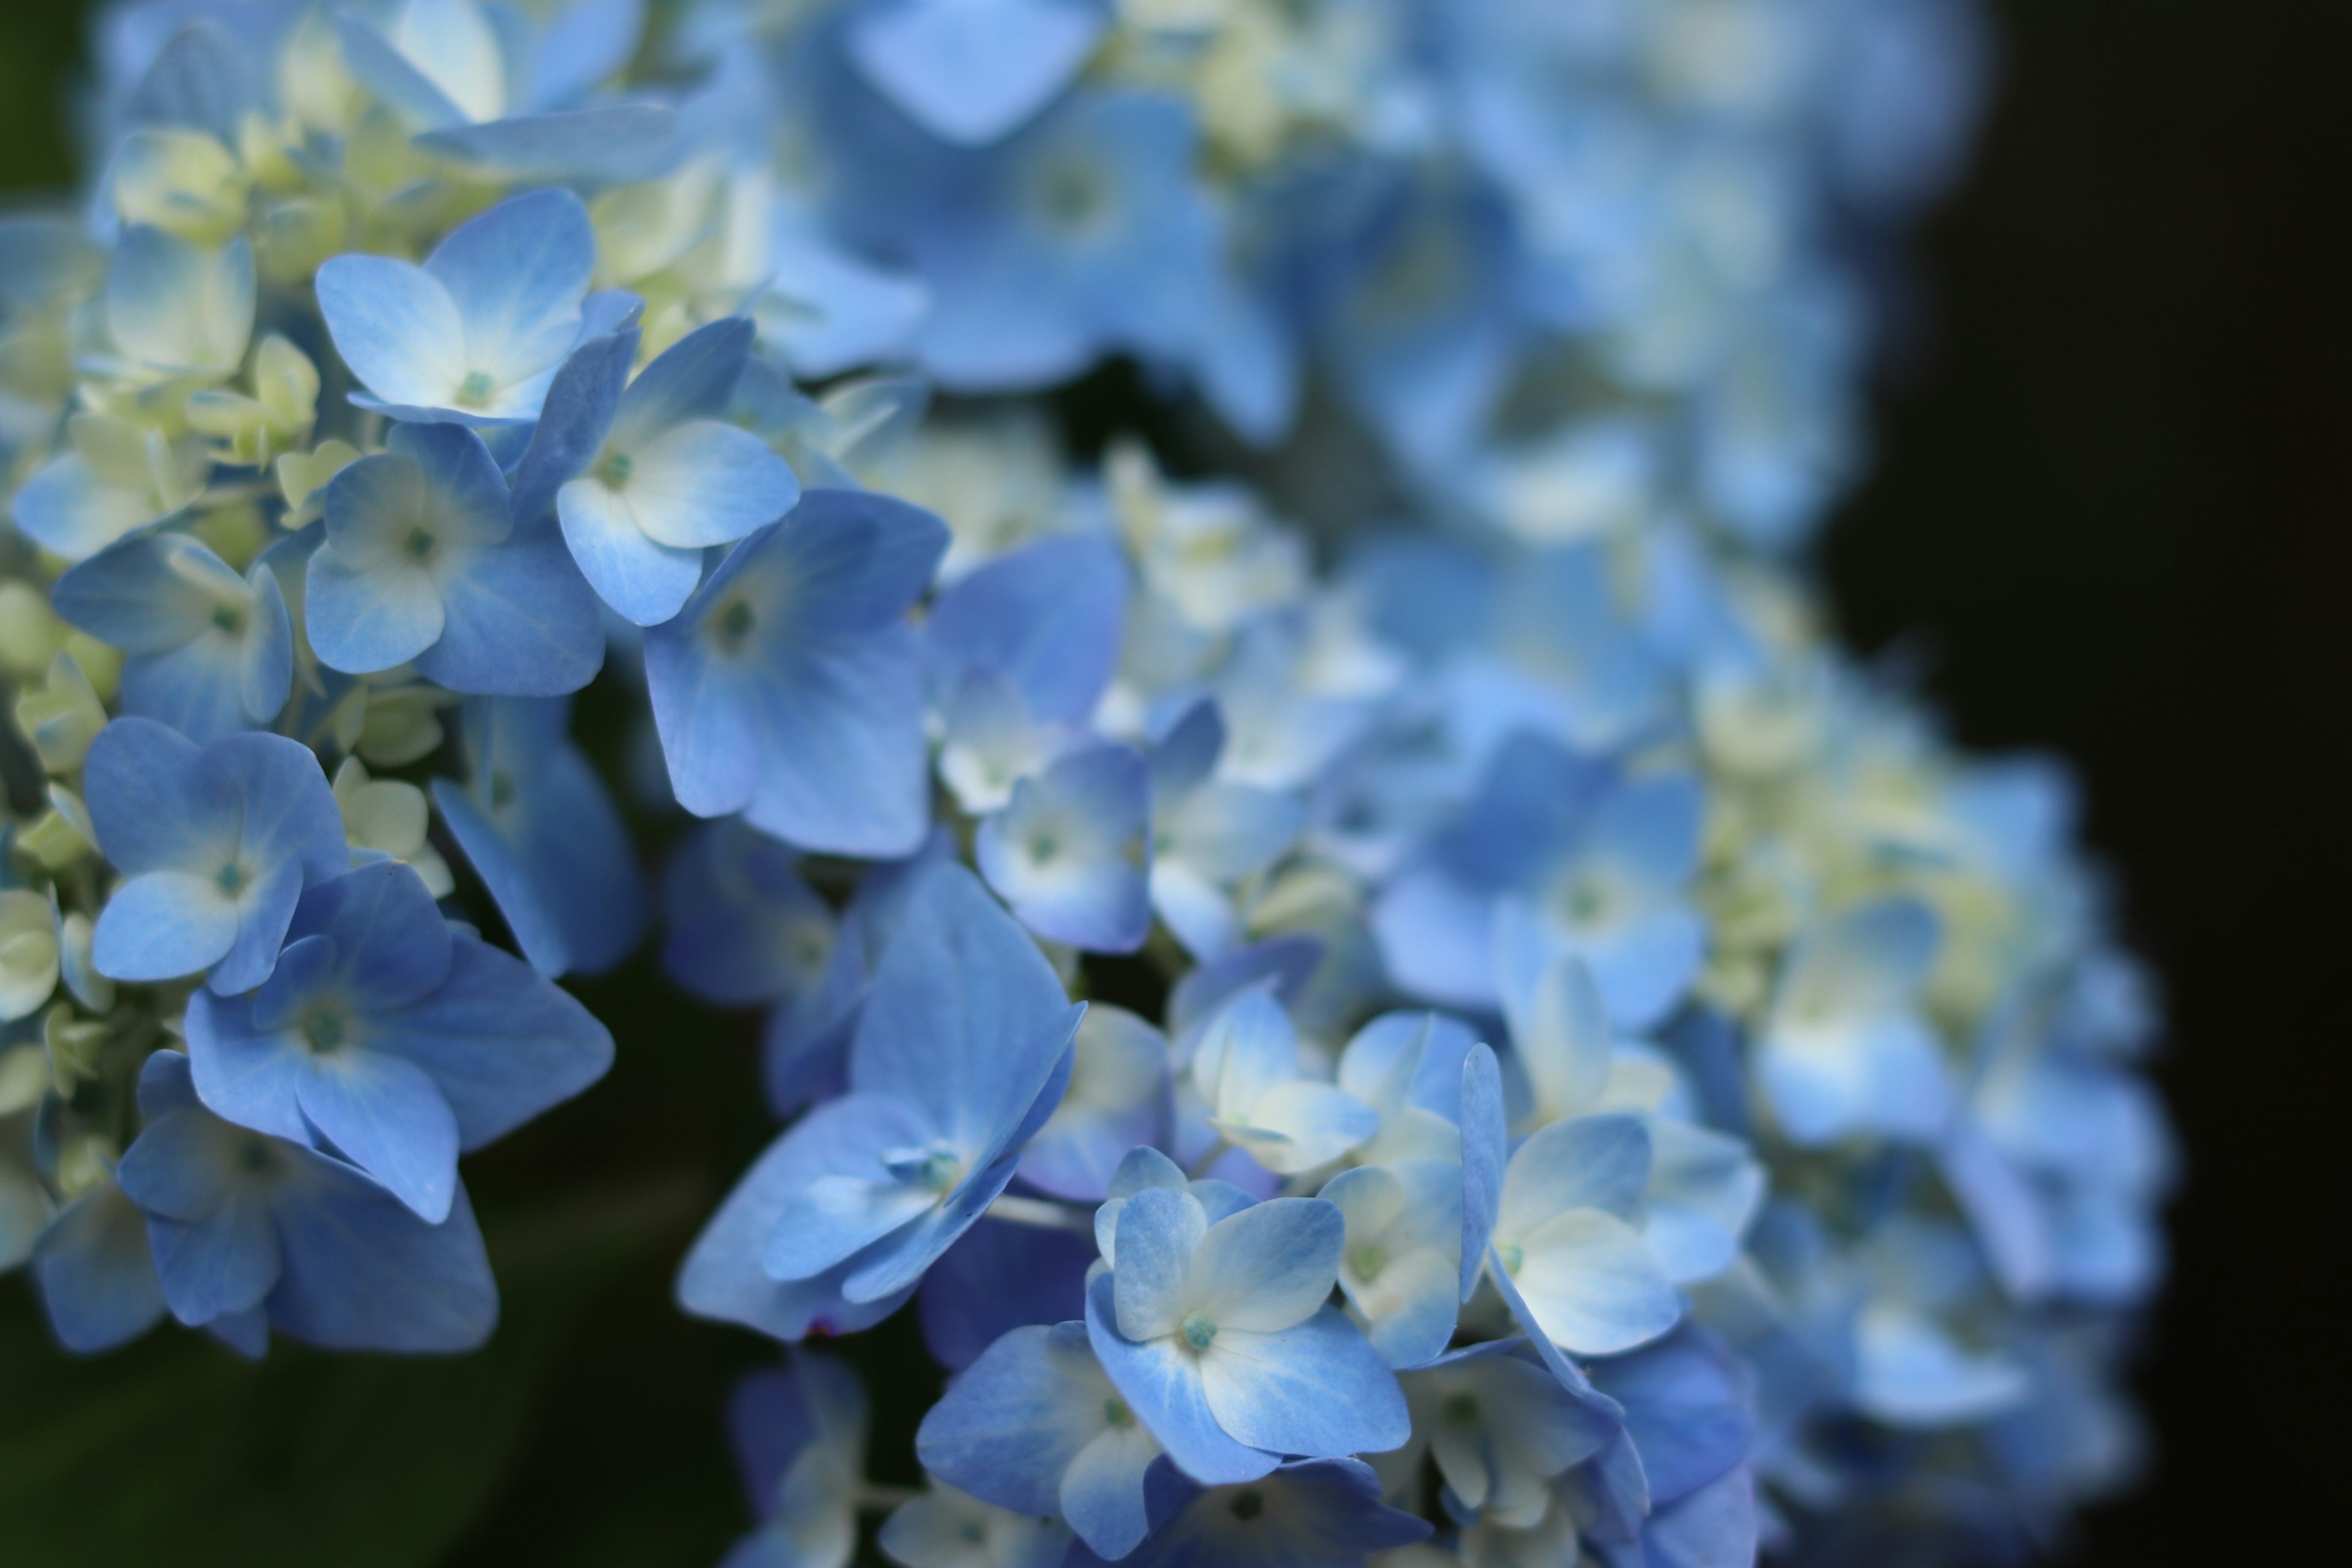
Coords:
2111,517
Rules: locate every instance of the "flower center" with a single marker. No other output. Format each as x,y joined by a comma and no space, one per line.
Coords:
734,624
1115,1411
1462,1410
1512,1254
1044,848
474,391
230,879
252,1156
228,618
1249,1505
419,543
1198,1332
324,1030
1368,1261
616,469
502,789
1585,901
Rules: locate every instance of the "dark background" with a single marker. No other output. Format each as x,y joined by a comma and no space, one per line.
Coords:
2112,514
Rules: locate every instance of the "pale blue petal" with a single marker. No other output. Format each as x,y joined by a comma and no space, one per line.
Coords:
721,1277
1158,1229
1266,1267
197,687
847,712
139,593
1102,1493
246,1075
395,326
846,1198
1435,937
1715,1527
1484,1139
387,1116
516,276
1069,851
388,940
386,73
702,483
642,578
161,926
1591,1284
66,510
364,619
1594,1162
1687,1402
1317,1388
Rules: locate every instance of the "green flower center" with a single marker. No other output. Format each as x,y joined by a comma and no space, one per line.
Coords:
1198,1332
228,618
252,1156
734,623
1512,1254
616,469
1462,1410
1247,1505
419,543
1115,1411
1368,1261
230,879
325,1031
474,390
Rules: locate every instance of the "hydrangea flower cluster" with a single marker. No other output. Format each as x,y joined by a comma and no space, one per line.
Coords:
1610,1078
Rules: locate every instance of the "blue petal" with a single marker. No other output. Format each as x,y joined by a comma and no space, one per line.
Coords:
969,73
1007,1429
96,1273
998,1277
1484,1139
517,275
1070,853
163,925
610,142
518,620
578,409
501,1043
1048,616
1317,1388
387,1117
395,326
966,1019
1688,1408
362,1272
156,808
690,380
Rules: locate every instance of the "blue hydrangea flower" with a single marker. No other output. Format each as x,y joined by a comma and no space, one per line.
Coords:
1564,1248
1401,1261
1070,853
1208,833
800,1441
944,1528
537,827
1218,1337
1246,1071
391,1039
789,689
1116,1101
1319,1513
248,1229
1501,1426
118,479
1845,1048
214,845
476,335
962,1051
645,477
1599,864
423,562
1036,1426
1046,617
209,652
